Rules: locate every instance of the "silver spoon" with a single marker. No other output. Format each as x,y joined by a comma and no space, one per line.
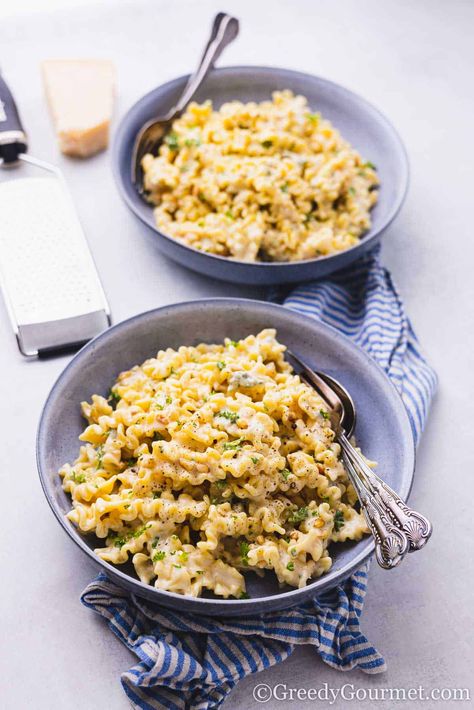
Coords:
396,528
225,29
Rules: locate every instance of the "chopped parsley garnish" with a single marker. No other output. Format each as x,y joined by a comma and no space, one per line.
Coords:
314,117
156,494
293,552
172,141
177,566
284,188
290,566
190,142
352,190
229,215
100,453
183,556
120,540
338,520
267,144
158,556
324,414
233,445
285,473
297,516
244,595
254,459
227,414
368,164
234,343
139,531
244,552
220,365
78,477
168,400
221,484
113,397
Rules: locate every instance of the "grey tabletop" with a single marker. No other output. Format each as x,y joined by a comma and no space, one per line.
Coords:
413,60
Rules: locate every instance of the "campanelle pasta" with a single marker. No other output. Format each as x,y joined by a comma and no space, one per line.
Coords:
260,182
209,461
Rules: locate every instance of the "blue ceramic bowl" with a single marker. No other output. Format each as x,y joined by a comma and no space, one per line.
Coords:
383,429
362,124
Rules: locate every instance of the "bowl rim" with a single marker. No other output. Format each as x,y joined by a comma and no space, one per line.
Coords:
365,239
320,584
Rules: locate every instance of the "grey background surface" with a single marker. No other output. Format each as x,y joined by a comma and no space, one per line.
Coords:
412,59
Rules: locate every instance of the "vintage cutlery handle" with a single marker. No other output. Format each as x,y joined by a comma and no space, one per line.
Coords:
415,526
225,29
397,529
216,25
391,544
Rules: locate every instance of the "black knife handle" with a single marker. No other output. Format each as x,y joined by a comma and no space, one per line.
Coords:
13,140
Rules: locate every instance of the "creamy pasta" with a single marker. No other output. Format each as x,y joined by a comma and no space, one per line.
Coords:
260,182
207,462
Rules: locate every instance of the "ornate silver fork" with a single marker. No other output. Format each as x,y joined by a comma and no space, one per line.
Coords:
396,528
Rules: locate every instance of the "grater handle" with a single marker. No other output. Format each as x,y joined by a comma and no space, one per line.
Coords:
13,140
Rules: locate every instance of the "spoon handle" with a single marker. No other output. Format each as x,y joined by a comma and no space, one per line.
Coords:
224,30
415,526
396,528
391,544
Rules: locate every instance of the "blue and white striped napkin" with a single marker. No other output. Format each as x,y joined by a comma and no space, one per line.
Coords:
189,661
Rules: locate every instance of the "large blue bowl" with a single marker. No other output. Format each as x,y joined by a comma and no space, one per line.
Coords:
362,124
383,429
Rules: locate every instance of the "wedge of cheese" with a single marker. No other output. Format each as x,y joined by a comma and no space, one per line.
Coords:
80,94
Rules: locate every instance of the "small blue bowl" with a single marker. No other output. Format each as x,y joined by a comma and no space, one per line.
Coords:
358,121
383,429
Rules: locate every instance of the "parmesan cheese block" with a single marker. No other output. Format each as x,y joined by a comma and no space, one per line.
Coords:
80,94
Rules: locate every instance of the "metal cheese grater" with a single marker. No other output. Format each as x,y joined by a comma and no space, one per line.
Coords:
49,280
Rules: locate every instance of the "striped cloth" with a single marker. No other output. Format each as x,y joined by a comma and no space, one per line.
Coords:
362,302
190,661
